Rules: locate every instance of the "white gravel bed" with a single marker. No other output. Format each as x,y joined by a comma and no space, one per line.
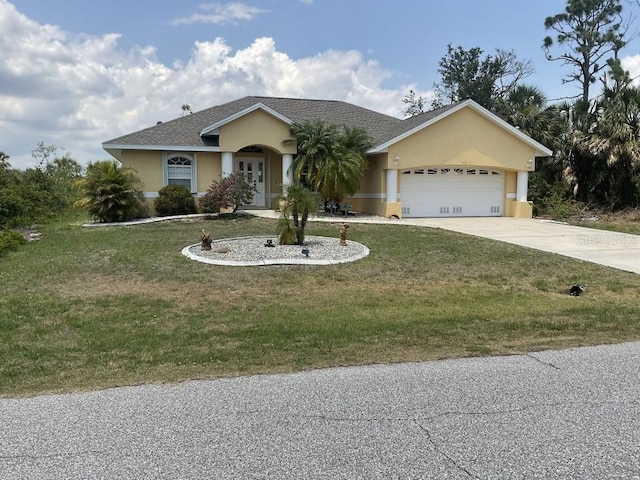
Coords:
251,251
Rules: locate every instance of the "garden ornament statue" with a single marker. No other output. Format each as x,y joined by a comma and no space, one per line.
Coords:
343,234
206,240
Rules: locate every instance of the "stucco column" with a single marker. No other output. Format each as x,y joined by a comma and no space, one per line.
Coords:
287,175
522,187
227,164
392,186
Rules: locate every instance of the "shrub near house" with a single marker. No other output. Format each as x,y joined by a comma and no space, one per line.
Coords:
174,200
111,193
230,192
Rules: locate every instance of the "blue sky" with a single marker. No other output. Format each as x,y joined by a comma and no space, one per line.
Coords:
75,73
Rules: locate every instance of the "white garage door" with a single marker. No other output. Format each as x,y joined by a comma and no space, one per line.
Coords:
451,192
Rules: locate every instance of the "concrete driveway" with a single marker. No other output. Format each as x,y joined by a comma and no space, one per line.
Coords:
617,250
612,249
572,414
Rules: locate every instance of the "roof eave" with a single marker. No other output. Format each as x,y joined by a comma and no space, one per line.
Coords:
165,148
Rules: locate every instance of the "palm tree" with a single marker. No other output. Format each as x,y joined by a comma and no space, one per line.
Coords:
526,108
297,204
616,140
110,192
338,176
330,160
316,140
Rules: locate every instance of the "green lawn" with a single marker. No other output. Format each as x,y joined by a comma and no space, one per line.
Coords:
88,308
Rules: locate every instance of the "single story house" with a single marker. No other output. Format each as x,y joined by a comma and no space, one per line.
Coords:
459,160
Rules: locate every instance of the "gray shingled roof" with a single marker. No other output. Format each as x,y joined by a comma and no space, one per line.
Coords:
185,131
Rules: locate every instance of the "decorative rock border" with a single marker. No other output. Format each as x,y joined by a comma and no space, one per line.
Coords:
251,251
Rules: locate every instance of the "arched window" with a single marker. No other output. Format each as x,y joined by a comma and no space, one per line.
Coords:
180,169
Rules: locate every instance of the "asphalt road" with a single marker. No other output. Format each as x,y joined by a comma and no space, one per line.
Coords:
549,415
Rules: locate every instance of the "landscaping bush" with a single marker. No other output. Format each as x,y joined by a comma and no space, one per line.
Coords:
209,203
10,240
559,208
231,192
111,193
174,200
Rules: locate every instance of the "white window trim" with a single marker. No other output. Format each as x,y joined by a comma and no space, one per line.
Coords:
194,168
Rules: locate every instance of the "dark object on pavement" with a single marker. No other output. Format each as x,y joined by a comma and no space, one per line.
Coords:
269,243
305,252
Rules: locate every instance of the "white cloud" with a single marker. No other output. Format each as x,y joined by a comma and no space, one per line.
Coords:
306,2
220,14
77,91
631,63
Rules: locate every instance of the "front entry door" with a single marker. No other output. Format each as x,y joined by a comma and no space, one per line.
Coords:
252,169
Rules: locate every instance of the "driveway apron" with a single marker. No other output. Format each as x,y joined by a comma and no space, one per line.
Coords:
613,249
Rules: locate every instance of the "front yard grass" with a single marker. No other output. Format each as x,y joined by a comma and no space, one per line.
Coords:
87,308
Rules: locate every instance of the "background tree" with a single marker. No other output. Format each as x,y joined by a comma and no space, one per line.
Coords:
591,33
5,168
615,141
64,172
526,107
43,153
39,193
467,74
415,106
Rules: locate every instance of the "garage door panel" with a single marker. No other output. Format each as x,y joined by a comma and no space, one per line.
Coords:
446,191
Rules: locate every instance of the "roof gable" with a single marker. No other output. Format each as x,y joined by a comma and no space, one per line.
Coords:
212,129
419,122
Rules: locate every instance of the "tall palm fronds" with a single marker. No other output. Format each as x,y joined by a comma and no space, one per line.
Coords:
615,140
330,159
316,140
527,109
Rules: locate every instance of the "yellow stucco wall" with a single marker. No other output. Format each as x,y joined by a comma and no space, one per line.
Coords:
374,178
148,167
209,169
275,173
256,128
510,189
463,138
